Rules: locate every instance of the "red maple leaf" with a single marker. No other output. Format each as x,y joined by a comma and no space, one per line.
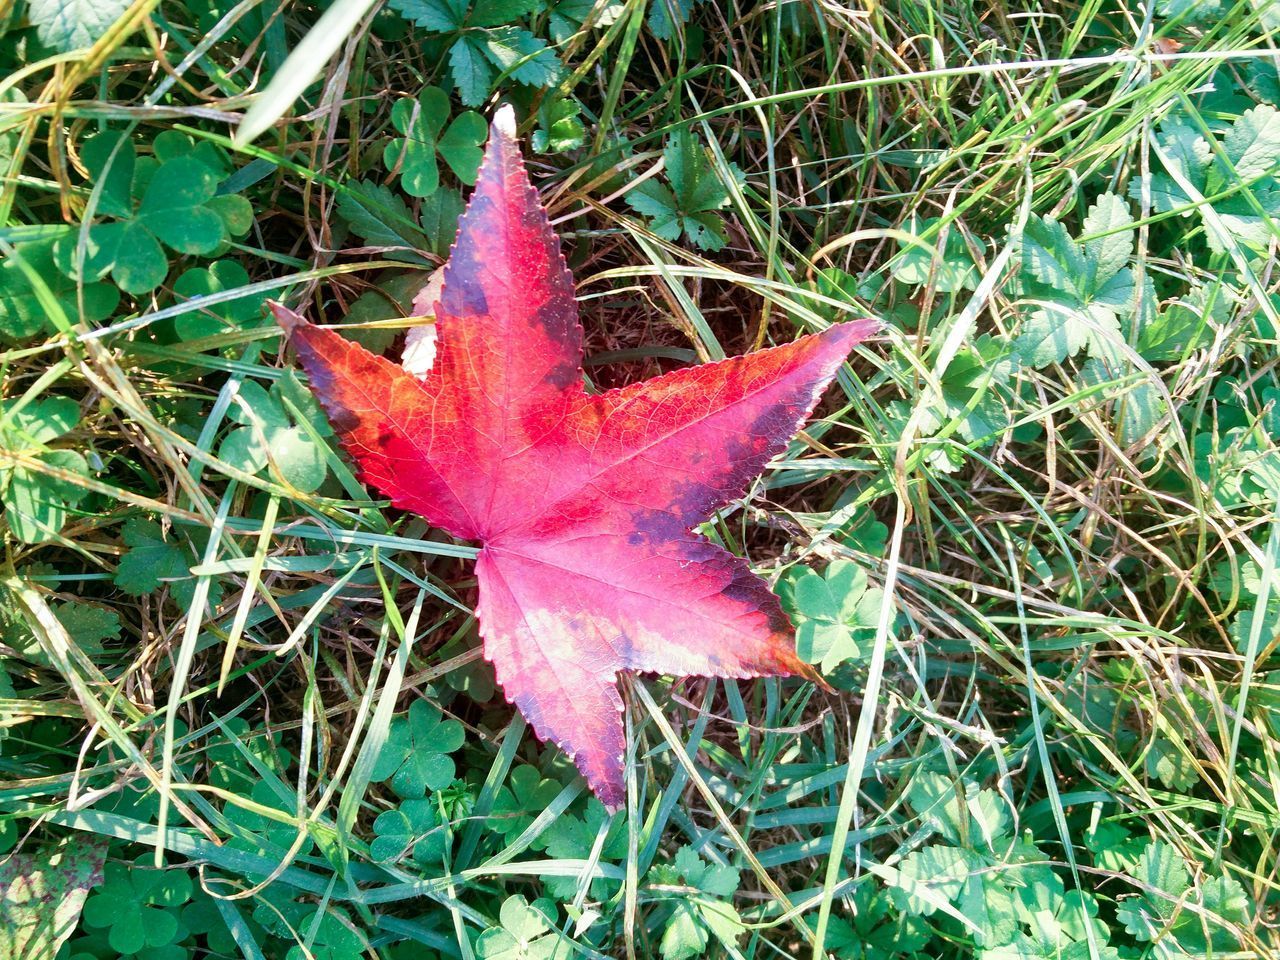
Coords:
583,504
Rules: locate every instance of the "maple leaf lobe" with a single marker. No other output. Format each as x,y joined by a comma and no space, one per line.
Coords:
583,504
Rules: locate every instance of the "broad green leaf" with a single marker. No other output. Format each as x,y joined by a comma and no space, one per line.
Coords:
559,126
1051,257
1161,870
74,24
36,503
566,17
929,876
989,903
1110,252
1170,765
520,55
667,17
1253,142
952,272
1184,325
473,74
381,218
689,205
442,16
439,215
152,560
1139,407
1077,292
571,837
497,13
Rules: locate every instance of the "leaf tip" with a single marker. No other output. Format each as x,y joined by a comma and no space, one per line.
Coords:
504,122
287,319
854,332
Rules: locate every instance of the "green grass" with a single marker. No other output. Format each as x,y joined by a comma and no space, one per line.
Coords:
1044,503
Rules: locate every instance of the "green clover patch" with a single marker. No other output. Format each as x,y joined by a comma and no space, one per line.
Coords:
23,316
36,503
270,433
427,132
835,613
414,827
415,757
219,277
138,906
525,795
167,201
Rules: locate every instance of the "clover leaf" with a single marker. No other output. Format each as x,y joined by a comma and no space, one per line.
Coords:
138,906
415,826
834,612
526,932
261,833
171,200
689,205
316,934
415,757
203,918
952,271
238,753
219,277
269,434
559,126
425,134
23,316
524,796
35,503
864,532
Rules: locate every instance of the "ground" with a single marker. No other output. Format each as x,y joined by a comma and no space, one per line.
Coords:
1029,539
